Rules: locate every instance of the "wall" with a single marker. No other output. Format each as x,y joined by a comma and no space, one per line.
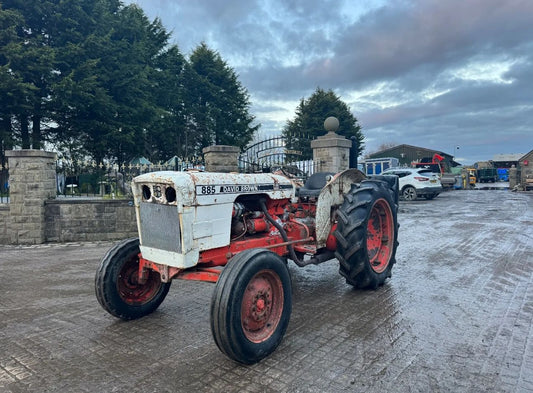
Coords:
526,171
34,216
73,220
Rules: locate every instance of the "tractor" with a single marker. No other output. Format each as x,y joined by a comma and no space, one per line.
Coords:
239,231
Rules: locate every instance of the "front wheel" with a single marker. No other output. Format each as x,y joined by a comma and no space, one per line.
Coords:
251,305
367,232
117,287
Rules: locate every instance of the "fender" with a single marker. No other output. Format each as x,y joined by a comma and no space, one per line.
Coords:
332,195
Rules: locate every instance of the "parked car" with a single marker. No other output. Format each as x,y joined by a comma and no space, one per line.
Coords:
416,182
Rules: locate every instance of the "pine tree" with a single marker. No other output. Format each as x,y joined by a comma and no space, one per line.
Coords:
167,136
218,102
28,60
309,122
12,88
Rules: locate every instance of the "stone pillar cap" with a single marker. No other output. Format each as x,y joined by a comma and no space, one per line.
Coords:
221,148
30,153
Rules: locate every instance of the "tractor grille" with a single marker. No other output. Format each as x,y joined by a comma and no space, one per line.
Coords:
160,226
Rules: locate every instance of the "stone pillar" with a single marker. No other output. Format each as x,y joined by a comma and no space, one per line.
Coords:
221,158
331,152
513,177
32,179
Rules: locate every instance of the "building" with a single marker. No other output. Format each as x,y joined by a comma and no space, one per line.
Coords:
406,154
525,170
506,160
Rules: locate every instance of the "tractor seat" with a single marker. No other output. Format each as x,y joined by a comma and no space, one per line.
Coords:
314,184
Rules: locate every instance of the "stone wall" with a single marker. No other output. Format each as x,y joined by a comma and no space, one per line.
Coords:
73,220
76,220
34,215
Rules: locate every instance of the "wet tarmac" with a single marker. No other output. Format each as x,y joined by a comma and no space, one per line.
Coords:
457,316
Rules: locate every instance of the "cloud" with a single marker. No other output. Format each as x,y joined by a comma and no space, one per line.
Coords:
423,72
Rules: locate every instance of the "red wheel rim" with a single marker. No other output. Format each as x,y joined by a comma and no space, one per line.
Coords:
380,235
262,306
129,289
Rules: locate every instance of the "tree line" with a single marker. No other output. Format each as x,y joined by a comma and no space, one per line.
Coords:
98,79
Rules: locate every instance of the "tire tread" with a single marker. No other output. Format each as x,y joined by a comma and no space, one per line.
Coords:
351,233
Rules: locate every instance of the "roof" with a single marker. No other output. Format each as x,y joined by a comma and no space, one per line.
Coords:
507,157
412,147
140,161
173,161
525,155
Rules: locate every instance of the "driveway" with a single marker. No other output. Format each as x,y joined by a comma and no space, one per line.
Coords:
455,317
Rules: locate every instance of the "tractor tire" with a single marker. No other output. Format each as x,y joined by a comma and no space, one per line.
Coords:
367,233
117,289
409,193
251,305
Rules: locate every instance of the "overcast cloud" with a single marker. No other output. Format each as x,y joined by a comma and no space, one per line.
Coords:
431,73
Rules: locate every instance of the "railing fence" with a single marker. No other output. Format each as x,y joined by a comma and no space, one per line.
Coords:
112,181
4,185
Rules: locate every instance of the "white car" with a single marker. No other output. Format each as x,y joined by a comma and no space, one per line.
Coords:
416,182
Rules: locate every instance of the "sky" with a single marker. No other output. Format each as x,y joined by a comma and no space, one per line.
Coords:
454,76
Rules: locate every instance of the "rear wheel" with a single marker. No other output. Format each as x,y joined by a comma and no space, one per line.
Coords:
431,196
117,287
251,305
409,193
366,234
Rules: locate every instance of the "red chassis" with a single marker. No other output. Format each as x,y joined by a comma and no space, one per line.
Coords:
300,236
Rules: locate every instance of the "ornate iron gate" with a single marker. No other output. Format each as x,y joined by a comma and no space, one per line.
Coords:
272,155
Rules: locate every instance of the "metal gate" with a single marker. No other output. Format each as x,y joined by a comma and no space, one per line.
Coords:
272,155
